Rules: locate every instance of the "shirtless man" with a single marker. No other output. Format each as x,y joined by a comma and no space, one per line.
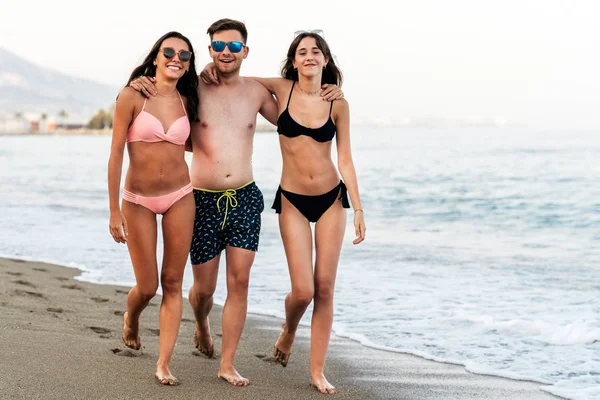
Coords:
228,202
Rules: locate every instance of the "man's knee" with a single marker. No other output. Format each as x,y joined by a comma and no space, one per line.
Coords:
239,263
202,291
205,280
238,282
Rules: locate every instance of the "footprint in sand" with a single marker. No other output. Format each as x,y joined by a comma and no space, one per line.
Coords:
54,310
17,261
188,320
99,299
72,287
271,359
155,332
119,313
198,353
14,273
20,292
127,352
60,278
99,330
40,269
25,283
119,291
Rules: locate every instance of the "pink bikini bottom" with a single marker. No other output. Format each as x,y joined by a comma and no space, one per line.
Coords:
157,204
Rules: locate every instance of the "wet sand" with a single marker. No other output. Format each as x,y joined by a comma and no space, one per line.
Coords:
61,339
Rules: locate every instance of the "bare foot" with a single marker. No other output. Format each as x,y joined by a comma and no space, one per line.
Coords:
130,336
203,341
283,346
233,377
164,377
322,385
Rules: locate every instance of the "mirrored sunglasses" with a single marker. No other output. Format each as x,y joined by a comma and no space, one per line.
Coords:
234,47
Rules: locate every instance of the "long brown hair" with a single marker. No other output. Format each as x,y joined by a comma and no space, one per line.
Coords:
331,73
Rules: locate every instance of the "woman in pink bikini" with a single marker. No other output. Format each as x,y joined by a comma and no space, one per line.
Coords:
157,182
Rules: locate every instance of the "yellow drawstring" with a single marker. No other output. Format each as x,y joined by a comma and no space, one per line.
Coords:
230,199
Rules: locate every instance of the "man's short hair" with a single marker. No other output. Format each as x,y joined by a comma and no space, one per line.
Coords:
227,24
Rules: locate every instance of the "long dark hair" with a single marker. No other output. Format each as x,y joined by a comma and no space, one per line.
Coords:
331,73
187,84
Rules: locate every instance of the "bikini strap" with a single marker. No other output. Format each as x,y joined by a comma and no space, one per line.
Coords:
290,97
331,107
145,100
183,105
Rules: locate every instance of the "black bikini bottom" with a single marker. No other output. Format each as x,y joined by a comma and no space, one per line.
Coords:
313,207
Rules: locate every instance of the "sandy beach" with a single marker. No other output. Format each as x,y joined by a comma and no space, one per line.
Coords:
60,338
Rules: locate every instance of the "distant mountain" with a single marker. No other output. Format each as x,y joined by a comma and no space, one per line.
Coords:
26,87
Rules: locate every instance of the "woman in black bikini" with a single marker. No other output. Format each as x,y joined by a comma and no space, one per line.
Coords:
311,191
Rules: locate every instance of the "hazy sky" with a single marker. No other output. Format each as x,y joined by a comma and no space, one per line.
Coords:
529,61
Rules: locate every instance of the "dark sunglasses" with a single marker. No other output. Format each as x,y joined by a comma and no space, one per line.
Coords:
184,55
234,47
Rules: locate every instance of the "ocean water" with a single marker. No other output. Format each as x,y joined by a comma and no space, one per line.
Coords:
483,245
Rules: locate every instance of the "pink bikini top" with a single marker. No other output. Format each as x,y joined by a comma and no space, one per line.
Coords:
147,128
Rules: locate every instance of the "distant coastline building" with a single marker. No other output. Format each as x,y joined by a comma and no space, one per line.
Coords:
14,124
31,123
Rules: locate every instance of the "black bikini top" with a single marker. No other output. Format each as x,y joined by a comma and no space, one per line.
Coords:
287,127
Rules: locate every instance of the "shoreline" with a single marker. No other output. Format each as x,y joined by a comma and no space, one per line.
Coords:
260,128
279,317
52,319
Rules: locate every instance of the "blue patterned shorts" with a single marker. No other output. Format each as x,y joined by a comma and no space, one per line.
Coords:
226,218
